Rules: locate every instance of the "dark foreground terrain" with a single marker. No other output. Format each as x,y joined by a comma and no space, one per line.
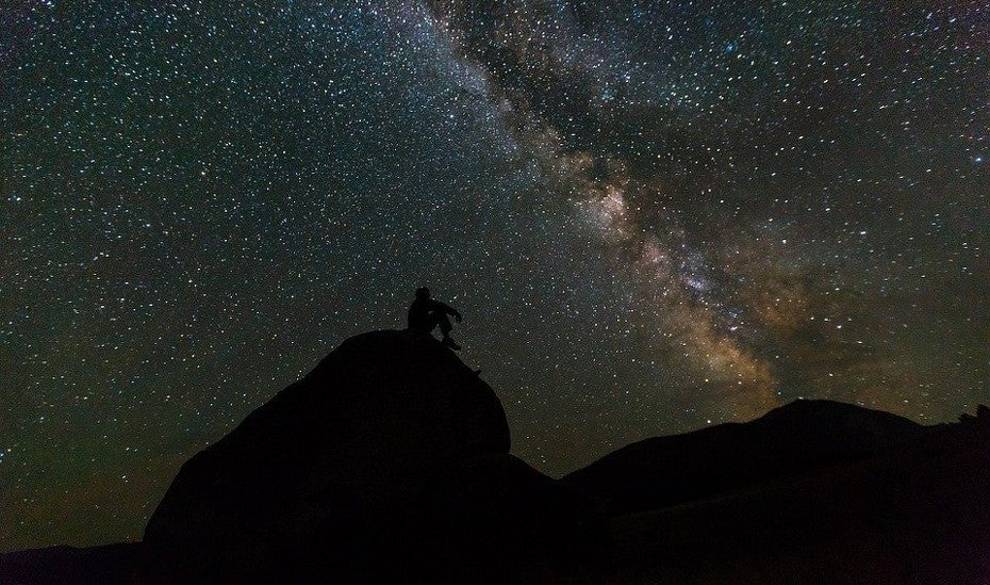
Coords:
390,462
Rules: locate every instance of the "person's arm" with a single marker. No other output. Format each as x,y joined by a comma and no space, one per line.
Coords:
448,310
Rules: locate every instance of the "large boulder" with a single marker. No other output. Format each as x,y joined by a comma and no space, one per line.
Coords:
365,468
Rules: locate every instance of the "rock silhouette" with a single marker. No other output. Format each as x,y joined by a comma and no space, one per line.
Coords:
813,492
799,437
390,462
385,461
112,564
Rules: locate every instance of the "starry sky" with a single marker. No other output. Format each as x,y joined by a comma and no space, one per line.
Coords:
654,216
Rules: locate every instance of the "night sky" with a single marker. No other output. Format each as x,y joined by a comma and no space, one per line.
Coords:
654,216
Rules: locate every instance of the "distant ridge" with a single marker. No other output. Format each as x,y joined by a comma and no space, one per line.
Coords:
800,436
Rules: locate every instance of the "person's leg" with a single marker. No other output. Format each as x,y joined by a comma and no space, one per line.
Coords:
444,322
441,319
438,318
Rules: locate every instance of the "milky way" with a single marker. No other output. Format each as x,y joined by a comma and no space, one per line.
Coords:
654,216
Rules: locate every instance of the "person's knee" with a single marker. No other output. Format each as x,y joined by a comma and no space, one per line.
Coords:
445,325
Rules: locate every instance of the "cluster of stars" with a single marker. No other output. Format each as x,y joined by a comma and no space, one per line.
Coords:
654,216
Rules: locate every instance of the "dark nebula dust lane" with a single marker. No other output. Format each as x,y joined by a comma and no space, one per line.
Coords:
654,216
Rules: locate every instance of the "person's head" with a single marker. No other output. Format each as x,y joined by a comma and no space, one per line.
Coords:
422,293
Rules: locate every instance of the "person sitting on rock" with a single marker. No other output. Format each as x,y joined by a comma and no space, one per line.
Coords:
425,314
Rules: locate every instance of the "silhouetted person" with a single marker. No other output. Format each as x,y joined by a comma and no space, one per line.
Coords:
425,314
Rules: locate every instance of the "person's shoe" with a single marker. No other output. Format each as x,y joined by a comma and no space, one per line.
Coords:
451,344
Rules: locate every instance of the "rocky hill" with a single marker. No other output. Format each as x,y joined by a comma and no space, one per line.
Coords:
803,436
390,462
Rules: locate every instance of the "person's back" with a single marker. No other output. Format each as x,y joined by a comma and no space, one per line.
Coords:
419,316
